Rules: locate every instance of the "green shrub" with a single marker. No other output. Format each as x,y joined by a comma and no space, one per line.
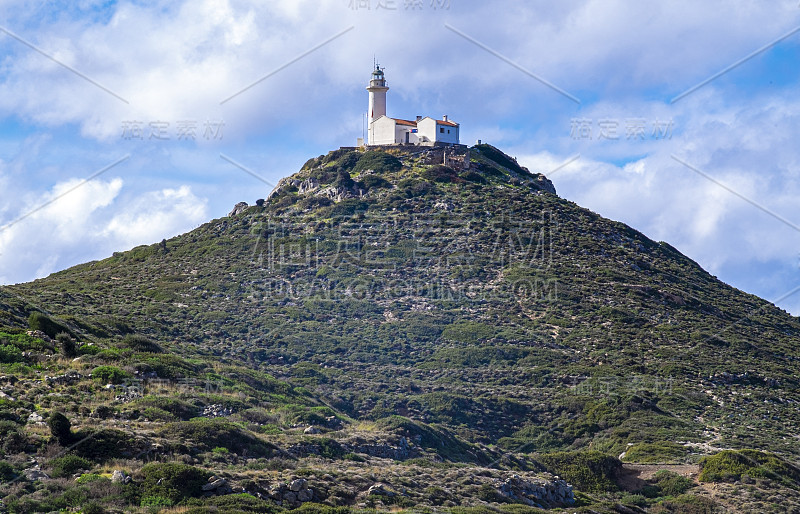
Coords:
67,345
139,343
380,162
177,408
472,176
730,465
12,437
672,484
241,503
375,182
109,374
67,465
660,452
442,174
170,481
7,471
10,354
38,321
103,444
206,434
60,428
589,471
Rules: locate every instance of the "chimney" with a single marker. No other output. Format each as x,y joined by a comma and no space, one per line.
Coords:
444,117
419,117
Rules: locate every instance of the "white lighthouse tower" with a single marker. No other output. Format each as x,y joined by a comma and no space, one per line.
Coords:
377,98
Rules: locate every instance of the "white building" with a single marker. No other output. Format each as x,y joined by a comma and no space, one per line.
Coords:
384,130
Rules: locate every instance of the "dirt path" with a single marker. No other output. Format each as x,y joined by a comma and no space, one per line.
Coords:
635,475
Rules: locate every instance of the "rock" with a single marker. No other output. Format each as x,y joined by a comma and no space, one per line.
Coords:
305,495
311,430
297,485
380,490
307,185
238,209
35,418
216,411
215,483
6,396
289,497
35,474
120,477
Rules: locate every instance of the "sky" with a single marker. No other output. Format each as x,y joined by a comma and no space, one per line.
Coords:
122,123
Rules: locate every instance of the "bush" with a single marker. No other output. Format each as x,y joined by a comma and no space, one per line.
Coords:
109,374
441,173
380,162
7,471
67,465
241,503
12,439
672,484
103,444
590,471
730,465
67,344
38,321
472,176
60,428
10,354
139,343
375,182
172,482
213,433
660,452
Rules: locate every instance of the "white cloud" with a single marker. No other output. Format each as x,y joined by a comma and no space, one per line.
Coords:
155,214
70,225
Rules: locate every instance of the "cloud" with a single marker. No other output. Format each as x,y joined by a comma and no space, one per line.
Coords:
70,225
154,214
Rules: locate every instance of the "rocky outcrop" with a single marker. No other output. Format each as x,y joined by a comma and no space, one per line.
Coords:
535,492
542,183
216,411
238,209
66,379
292,494
34,474
216,486
284,184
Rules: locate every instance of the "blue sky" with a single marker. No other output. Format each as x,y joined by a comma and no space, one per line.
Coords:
715,173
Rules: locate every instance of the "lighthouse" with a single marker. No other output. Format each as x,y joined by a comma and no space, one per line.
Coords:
377,94
383,130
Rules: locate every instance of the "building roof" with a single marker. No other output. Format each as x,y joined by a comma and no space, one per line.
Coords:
448,123
405,122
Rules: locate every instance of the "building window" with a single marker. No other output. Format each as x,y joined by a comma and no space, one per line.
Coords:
441,130
448,131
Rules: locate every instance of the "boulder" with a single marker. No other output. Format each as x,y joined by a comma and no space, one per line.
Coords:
120,477
305,495
238,209
298,485
215,483
311,430
35,473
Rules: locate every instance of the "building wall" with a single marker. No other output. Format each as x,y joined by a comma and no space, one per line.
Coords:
429,130
382,131
426,129
400,134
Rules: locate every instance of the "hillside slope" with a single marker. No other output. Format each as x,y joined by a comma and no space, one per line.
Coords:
437,310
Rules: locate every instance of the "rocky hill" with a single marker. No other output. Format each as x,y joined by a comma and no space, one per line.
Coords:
395,329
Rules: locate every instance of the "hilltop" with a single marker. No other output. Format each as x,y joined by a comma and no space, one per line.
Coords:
398,328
